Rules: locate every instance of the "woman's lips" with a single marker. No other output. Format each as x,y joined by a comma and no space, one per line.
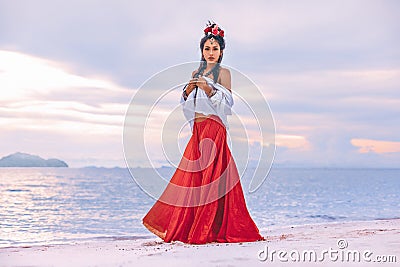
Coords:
211,58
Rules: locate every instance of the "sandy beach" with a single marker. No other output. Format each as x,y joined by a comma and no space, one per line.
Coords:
365,243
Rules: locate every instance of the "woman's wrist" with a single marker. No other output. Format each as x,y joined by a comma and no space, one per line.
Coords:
211,91
186,91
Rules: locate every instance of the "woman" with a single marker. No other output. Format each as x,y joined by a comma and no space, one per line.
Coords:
204,200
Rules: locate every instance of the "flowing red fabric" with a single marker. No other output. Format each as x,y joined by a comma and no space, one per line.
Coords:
217,211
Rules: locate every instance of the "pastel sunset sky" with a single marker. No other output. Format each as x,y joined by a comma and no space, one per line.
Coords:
330,71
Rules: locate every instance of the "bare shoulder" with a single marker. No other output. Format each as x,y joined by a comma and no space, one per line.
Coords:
193,73
225,72
225,78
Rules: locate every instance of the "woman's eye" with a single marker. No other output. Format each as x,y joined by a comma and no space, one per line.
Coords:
206,49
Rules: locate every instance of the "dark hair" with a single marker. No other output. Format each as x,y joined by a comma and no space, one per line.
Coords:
203,62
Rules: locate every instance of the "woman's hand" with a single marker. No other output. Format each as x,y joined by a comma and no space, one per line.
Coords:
202,84
191,85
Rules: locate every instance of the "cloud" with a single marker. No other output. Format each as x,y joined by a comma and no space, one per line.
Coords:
48,96
328,109
292,142
131,40
352,97
45,101
376,146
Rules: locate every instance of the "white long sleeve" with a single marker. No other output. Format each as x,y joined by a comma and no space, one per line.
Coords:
219,104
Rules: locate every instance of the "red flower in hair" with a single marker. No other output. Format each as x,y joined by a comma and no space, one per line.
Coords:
207,30
215,30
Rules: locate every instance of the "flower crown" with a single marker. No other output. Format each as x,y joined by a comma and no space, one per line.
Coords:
213,29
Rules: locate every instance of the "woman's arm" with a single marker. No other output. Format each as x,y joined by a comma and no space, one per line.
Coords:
191,85
225,78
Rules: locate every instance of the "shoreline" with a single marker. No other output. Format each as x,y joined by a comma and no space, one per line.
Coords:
380,237
149,235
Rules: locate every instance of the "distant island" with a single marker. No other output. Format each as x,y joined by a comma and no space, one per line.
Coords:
26,160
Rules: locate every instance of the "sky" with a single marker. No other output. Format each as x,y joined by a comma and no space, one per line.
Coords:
329,70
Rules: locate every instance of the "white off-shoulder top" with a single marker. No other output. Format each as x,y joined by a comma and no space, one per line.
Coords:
219,104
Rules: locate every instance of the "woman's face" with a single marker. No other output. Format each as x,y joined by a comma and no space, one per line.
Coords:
211,51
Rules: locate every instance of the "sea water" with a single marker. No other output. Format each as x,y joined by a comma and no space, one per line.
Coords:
64,205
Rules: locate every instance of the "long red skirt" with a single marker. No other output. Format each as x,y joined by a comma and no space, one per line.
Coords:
204,201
